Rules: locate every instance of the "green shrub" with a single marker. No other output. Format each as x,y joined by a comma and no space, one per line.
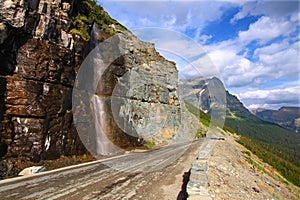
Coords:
247,153
83,34
84,156
88,14
149,144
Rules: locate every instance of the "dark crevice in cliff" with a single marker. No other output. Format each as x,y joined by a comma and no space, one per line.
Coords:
29,116
9,49
49,82
132,99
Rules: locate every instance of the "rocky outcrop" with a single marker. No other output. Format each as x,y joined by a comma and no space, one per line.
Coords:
42,46
32,170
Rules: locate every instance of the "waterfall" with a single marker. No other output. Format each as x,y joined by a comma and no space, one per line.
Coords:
103,145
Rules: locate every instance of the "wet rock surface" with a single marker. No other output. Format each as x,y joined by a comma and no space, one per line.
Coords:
38,67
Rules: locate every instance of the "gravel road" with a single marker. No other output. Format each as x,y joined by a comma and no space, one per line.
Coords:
155,174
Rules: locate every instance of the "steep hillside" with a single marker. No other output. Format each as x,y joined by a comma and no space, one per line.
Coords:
237,173
274,144
287,117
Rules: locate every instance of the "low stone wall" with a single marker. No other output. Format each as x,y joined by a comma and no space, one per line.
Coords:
198,182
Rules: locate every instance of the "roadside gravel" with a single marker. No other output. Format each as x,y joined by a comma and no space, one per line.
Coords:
231,176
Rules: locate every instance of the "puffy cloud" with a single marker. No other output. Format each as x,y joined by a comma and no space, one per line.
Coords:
266,29
272,48
282,58
268,8
277,60
171,41
271,98
190,57
203,66
272,94
238,71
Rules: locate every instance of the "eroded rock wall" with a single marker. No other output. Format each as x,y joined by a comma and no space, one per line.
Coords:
38,61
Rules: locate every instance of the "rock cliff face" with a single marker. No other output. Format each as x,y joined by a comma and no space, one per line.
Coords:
42,46
38,60
138,89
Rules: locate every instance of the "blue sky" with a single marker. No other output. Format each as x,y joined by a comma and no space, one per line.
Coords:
254,45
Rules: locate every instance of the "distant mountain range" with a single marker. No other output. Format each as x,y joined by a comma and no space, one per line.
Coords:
287,117
274,144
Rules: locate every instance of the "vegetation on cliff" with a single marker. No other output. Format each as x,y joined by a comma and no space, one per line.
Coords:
89,12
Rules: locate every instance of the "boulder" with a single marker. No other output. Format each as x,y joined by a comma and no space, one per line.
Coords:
32,170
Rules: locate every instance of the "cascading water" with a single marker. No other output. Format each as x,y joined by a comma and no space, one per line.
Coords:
103,145
90,109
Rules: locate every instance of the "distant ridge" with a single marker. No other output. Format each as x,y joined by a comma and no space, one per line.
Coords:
287,117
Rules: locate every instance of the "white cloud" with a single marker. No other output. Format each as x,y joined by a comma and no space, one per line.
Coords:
171,41
295,17
274,9
265,106
271,98
202,66
273,63
266,29
272,48
190,57
236,70
180,16
272,94
282,58
204,38
246,9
